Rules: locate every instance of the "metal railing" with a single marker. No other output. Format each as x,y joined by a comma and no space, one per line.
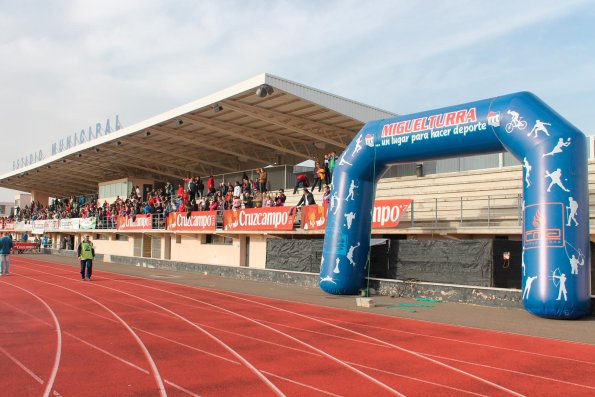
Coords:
483,211
492,211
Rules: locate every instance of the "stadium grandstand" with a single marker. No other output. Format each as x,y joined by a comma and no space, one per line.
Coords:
215,186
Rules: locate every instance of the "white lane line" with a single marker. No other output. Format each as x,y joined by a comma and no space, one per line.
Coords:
152,364
21,365
50,383
513,371
213,337
417,379
461,341
333,358
480,379
123,360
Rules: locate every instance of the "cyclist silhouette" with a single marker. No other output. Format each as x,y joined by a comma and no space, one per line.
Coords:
515,122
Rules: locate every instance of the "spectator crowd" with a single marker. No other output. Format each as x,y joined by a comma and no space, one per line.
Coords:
192,194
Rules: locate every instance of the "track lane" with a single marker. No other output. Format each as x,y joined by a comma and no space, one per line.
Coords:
465,338
460,385
74,377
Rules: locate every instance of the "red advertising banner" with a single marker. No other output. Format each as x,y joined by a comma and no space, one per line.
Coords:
196,220
272,218
138,222
314,217
24,246
387,214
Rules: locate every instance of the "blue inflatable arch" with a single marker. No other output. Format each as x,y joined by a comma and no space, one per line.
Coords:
556,252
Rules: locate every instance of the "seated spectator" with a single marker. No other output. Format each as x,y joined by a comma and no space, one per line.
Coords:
248,200
306,199
280,198
268,201
237,203
326,195
213,204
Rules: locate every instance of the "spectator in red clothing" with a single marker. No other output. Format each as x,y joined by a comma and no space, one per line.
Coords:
213,204
301,181
180,190
211,183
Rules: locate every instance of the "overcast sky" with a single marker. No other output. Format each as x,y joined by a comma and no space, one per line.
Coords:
65,65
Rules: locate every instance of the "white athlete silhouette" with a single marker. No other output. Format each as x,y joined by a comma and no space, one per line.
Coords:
515,122
523,262
328,278
349,217
558,148
561,286
539,127
334,202
352,187
342,160
528,283
336,269
358,146
528,169
575,263
572,209
350,253
556,178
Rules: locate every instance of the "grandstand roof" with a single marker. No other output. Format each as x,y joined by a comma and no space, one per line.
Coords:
231,130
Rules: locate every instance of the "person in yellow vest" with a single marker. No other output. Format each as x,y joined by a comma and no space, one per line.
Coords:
86,253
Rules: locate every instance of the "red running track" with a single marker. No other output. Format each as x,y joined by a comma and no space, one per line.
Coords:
121,335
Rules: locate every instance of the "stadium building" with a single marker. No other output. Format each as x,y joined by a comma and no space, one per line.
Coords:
443,228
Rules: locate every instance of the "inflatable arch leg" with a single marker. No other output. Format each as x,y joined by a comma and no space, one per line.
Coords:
556,249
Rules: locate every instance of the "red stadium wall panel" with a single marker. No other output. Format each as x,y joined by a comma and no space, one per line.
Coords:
196,220
387,214
273,218
138,222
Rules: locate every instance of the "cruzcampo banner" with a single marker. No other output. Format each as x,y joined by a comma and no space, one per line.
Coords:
196,220
387,214
137,222
272,218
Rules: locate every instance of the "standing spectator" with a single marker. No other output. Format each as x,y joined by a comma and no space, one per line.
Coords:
5,247
180,190
332,159
86,253
262,180
200,187
327,172
192,188
318,176
301,181
211,183
280,198
237,189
